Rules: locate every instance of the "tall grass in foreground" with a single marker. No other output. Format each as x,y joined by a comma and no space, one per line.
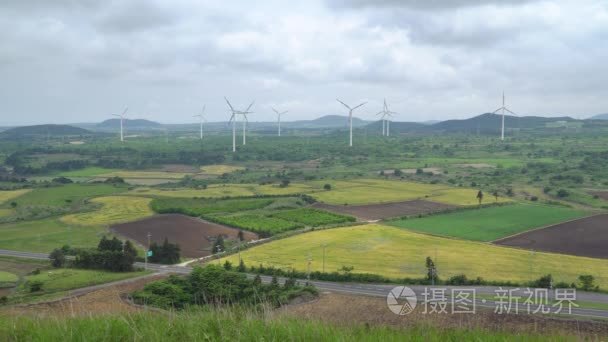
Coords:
227,325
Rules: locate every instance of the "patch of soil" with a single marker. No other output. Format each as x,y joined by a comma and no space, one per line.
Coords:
583,237
601,194
371,212
349,310
194,236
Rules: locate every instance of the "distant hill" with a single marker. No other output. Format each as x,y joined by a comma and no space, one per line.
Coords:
599,117
138,124
44,130
491,123
397,127
327,121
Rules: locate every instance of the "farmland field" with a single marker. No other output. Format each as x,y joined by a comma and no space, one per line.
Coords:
199,207
397,253
488,224
219,169
212,191
86,172
114,209
45,235
6,196
258,223
386,210
584,237
60,195
194,236
368,191
312,217
145,174
7,277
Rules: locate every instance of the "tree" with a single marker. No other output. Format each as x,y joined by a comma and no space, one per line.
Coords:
563,193
129,249
586,282
241,236
228,265
57,258
398,172
274,283
480,196
284,183
327,187
218,246
431,270
241,267
13,205
257,280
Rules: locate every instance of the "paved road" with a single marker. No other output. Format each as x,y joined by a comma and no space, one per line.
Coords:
484,294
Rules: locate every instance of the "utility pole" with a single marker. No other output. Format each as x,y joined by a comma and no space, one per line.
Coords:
309,259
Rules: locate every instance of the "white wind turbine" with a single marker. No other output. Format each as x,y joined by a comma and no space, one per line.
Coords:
201,116
122,117
385,112
279,118
350,118
503,108
233,121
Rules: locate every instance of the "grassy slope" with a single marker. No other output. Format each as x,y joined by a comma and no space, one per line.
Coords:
224,325
7,277
58,195
488,224
398,253
6,196
55,280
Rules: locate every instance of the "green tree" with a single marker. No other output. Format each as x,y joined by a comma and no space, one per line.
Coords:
241,267
327,186
57,258
241,236
218,245
587,282
480,196
431,270
227,265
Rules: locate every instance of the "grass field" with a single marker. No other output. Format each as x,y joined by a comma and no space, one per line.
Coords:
55,280
213,191
45,235
293,188
258,223
6,212
7,277
114,209
199,207
60,195
367,191
488,224
220,169
397,253
312,217
145,174
6,196
86,172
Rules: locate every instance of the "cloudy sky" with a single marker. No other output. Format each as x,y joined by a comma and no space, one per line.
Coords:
82,60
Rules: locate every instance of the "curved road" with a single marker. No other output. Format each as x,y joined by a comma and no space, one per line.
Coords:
484,294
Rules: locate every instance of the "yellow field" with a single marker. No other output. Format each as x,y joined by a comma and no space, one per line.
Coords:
6,212
275,189
6,196
114,209
220,169
397,253
145,174
366,191
213,191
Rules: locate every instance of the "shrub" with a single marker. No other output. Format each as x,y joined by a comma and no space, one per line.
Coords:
327,186
35,286
563,193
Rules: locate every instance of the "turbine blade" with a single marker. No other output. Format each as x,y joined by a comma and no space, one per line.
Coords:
229,105
250,105
509,111
359,105
125,111
344,104
203,111
494,112
276,111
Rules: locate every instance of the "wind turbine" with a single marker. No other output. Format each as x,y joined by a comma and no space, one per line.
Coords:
122,117
279,118
233,121
385,112
350,118
503,108
202,117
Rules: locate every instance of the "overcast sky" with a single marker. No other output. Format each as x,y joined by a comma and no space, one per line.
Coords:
82,60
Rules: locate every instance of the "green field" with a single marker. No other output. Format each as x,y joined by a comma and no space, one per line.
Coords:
45,235
6,196
367,191
114,209
7,277
63,279
61,195
213,191
489,224
397,253
312,217
86,172
199,207
258,223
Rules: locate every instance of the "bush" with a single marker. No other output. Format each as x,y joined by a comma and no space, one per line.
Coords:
561,193
328,186
35,286
587,282
57,258
545,282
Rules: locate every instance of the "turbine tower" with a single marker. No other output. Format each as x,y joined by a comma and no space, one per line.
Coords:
233,121
503,109
279,118
122,117
201,116
385,112
350,119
